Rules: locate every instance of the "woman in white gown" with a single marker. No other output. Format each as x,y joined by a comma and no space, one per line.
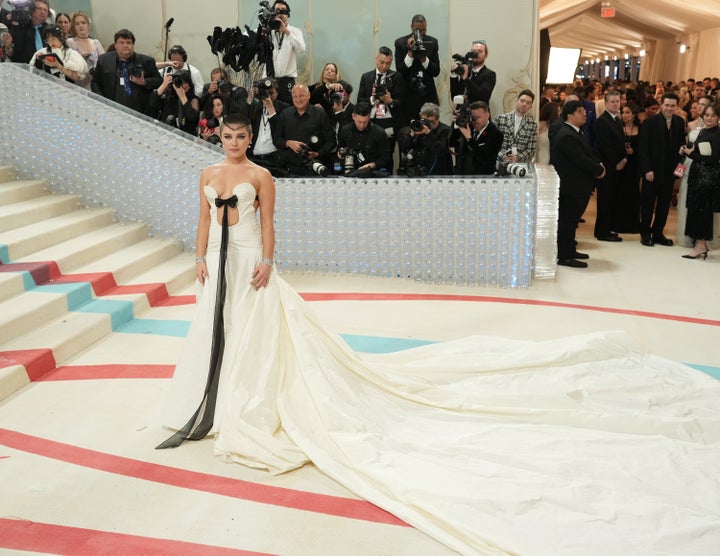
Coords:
492,446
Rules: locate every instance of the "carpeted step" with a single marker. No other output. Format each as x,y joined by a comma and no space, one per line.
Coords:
22,190
17,215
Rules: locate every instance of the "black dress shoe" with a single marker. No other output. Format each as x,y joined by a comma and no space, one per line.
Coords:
646,241
580,256
572,262
662,240
609,238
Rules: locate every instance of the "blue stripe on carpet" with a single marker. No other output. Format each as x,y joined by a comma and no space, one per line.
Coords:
77,293
178,328
379,344
707,369
4,254
121,312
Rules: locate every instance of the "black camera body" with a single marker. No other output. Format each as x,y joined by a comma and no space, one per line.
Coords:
463,61
268,16
317,167
418,48
410,165
336,96
262,88
22,11
177,81
463,115
418,125
381,88
136,71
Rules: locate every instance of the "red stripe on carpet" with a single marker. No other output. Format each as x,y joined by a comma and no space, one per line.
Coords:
154,292
16,534
41,271
101,282
314,296
37,362
203,482
103,372
175,300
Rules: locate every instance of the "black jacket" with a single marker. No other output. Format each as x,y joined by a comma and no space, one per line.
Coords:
370,145
478,86
106,80
398,91
477,157
423,89
659,149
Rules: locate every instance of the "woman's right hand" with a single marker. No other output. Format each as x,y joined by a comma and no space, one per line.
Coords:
165,84
201,272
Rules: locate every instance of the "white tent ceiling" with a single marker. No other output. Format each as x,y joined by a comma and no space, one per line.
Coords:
636,25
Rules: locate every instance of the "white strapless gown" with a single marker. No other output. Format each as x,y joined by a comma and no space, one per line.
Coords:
578,446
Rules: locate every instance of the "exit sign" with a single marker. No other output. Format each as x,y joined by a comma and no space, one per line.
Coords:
607,12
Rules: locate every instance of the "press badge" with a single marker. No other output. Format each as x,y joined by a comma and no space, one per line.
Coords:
380,111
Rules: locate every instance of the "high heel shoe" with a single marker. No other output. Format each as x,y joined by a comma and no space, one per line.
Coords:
702,255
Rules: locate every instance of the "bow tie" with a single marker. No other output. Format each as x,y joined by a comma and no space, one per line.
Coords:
230,201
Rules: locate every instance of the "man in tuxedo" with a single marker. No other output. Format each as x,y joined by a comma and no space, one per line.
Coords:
385,90
477,81
125,76
419,64
577,167
611,148
476,144
661,137
519,130
264,109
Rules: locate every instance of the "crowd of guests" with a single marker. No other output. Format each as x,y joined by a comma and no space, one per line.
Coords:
640,147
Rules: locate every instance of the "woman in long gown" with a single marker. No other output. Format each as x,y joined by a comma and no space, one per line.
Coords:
627,215
548,114
492,446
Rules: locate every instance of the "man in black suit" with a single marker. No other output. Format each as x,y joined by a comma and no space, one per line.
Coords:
27,35
577,167
419,64
477,81
476,144
263,110
362,145
661,137
385,90
611,148
125,76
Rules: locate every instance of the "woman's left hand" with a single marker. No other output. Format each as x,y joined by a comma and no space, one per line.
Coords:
261,276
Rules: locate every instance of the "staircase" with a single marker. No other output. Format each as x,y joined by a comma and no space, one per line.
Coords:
69,276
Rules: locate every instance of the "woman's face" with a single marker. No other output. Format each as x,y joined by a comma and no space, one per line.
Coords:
81,27
694,110
710,118
235,140
64,23
329,73
53,41
217,108
627,115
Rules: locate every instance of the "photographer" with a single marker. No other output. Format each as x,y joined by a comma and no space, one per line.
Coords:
424,145
212,118
6,44
304,136
287,43
235,99
418,61
321,93
471,77
362,145
476,144
385,90
175,103
264,110
125,76
178,61
57,59
25,24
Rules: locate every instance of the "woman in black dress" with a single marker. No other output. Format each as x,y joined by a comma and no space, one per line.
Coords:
703,183
627,215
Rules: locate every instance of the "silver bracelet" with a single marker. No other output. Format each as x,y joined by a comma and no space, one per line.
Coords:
268,262
199,260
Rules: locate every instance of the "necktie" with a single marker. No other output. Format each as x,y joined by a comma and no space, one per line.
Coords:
38,38
126,78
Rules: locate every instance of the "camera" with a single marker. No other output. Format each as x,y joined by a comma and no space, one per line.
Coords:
410,165
317,167
418,125
336,97
212,123
419,46
262,89
177,81
511,169
381,88
267,18
348,157
136,71
462,112
463,61
22,11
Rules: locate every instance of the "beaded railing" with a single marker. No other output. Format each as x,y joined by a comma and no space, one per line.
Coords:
475,231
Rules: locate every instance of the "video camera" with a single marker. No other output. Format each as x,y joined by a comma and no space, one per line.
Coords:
268,16
21,11
419,46
463,61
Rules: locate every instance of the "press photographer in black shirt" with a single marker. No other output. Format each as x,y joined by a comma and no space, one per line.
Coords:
424,149
363,147
174,102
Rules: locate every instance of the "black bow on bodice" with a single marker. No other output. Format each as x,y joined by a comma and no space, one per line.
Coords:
230,201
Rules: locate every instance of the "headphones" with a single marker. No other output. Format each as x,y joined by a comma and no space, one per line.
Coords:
177,49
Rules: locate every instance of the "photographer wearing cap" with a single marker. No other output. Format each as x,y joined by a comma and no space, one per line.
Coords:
417,59
470,76
175,103
125,76
57,59
288,42
424,145
178,61
362,145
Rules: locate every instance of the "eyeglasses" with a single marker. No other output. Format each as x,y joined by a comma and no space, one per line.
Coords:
480,42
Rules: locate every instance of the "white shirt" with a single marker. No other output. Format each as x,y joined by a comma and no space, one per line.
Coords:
264,143
71,59
287,47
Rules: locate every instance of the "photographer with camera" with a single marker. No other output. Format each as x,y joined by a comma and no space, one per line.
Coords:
469,76
424,145
304,135
177,60
287,43
6,44
476,144
363,146
175,103
58,59
25,24
235,99
125,76
212,118
264,110
385,90
418,61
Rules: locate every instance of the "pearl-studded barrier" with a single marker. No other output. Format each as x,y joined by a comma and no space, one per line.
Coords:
455,230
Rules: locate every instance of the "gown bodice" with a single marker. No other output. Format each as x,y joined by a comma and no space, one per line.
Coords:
246,233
